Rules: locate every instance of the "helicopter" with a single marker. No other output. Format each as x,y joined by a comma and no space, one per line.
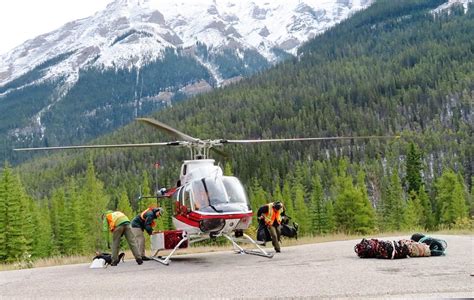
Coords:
207,204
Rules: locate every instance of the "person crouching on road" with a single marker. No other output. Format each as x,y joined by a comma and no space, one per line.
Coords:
271,214
118,223
142,222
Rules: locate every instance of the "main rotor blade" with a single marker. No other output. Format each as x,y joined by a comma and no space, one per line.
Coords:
169,130
100,146
310,139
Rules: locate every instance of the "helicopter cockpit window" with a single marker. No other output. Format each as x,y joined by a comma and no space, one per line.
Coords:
186,197
200,195
235,190
219,194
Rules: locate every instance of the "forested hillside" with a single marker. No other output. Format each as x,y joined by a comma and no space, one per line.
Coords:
392,69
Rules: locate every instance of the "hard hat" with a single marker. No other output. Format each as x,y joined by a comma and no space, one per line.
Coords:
277,205
159,210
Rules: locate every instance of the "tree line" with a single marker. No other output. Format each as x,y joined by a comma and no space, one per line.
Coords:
322,197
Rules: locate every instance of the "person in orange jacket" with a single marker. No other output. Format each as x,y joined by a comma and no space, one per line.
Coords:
118,223
271,215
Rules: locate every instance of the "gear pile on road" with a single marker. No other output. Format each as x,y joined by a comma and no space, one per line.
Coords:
418,246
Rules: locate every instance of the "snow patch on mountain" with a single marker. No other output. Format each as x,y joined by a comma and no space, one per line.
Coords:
450,3
130,33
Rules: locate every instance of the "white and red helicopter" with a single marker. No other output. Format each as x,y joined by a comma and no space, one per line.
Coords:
207,204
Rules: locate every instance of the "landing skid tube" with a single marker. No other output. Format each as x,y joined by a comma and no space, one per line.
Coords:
166,260
259,252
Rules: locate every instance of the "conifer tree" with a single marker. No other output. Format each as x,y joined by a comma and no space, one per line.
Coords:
228,169
60,221
413,212
302,216
414,168
277,195
344,205
318,208
450,198
29,213
94,203
258,197
3,214
43,235
124,205
15,242
55,208
331,216
76,226
426,217
288,199
145,203
365,214
394,196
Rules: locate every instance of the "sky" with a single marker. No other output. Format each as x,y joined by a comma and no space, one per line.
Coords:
21,20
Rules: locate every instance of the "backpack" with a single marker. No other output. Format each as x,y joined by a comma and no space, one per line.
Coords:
102,260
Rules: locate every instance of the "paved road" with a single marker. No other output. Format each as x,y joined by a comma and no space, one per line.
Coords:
326,270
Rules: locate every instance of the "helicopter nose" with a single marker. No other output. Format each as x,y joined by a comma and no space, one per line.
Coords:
211,225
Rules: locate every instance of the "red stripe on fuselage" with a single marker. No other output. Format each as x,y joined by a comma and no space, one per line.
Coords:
193,218
197,216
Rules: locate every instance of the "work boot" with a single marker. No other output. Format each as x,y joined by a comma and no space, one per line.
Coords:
277,250
139,261
114,263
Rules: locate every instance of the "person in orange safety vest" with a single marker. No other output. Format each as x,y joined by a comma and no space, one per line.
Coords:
271,216
118,223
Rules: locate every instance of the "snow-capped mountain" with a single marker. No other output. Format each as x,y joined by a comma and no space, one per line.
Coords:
95,74
133,32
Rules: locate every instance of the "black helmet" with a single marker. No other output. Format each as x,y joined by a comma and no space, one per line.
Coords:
277,205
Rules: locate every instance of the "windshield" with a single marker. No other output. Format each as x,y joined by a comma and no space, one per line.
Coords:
235,190
219,194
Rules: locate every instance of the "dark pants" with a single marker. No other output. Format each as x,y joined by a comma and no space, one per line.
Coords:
275,233
117,235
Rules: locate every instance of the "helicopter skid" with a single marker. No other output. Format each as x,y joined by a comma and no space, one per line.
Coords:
162,261
255,252
259,251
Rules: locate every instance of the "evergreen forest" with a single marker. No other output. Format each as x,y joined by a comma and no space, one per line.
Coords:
395,69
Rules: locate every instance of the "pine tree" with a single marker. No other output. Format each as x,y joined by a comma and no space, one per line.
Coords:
288,199
302,216
145,203
76,226
3,214
394,196
55,207
426,217
15,242
60,222
365,214
29,209
228,169
331,216
344,205
353,211
451,199
258,198
43,242
413,212
414,168
94,202
319,222
124,205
